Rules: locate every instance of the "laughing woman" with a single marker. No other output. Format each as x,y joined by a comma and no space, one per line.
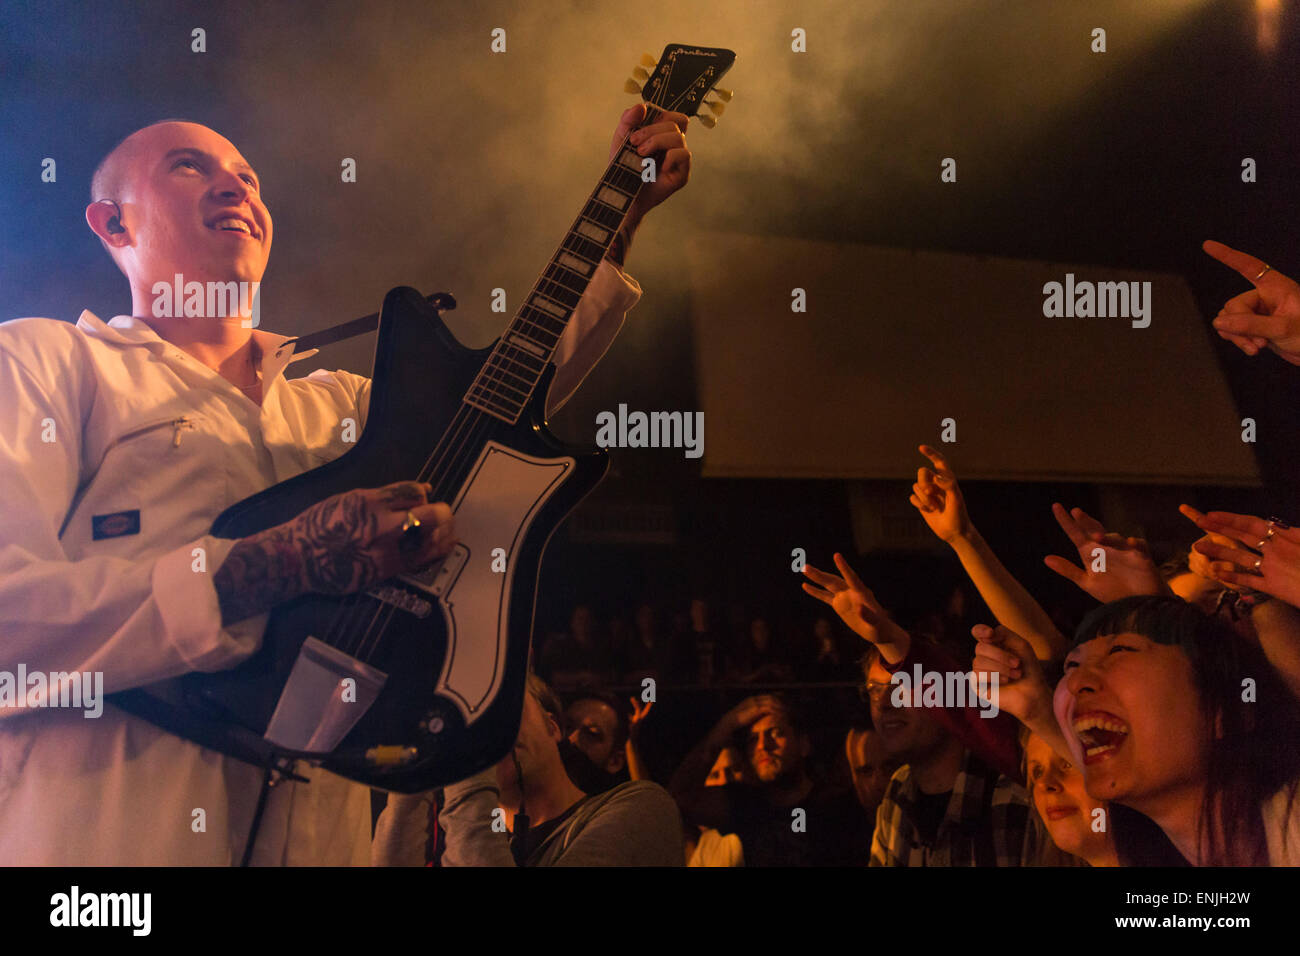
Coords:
1171,715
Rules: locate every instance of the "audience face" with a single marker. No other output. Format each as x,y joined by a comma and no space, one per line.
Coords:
536,748
727,769
909,734
595,728
1062,801
869,767
776,751
1145,694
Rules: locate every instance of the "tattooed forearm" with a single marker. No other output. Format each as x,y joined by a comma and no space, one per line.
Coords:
323,550
332,539
260,571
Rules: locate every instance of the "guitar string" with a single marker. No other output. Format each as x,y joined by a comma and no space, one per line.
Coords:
470,446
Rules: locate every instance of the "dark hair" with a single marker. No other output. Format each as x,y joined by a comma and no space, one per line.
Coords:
1249,748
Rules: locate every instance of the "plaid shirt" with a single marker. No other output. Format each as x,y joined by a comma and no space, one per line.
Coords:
986,822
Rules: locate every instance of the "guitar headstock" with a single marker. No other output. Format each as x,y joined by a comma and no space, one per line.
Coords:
681,79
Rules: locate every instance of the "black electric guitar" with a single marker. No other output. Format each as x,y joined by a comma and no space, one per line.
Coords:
419,682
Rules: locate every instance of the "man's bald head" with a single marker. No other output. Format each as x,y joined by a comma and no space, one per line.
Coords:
177,198
111,175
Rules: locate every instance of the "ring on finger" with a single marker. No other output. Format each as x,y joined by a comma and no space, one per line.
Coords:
411,522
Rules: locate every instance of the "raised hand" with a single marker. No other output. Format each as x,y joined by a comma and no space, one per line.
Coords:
1201,564
1267,316
1261,556
1129,568
857,607
939,500
640,709
1023,691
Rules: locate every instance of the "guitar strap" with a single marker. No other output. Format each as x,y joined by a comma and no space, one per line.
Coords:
442,301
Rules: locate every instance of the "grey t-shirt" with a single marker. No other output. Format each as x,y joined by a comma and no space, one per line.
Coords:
633,824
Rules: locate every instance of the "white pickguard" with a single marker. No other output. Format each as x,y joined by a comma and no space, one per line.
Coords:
495,508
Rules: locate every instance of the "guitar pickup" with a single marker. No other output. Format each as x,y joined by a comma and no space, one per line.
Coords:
437,579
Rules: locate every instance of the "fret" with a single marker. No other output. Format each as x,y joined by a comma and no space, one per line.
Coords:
571,279
625,181
593,231
598,212
593,252
576,263
523,360
501,390
542,323
548,305
614,198
494,364
630,159
506,415
521,341
558,292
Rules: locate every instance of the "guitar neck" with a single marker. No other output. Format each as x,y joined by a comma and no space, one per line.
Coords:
507,380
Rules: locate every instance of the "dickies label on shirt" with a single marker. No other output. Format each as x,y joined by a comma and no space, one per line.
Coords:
117,525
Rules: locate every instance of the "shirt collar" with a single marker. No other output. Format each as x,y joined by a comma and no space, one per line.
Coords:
277,350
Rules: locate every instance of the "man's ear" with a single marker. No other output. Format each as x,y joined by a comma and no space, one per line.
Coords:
100,216
553,729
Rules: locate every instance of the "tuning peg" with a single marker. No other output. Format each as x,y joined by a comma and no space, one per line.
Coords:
724,95
708,121
715,107
648,61
641,74
631,86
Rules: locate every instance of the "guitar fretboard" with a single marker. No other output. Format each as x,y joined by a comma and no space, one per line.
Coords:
508,378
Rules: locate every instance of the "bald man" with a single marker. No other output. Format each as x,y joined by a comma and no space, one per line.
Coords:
124,440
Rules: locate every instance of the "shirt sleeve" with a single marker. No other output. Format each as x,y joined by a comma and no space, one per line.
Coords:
592,328
638,826
466,820
402,830
995,740
134,621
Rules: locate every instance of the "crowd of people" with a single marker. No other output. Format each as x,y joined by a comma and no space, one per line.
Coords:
1161,731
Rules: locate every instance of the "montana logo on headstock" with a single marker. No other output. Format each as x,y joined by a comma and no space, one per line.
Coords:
682,77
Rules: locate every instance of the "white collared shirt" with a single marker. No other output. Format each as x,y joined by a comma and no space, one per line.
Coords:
117,452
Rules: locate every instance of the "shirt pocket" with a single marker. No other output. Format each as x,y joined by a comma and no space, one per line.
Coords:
171,472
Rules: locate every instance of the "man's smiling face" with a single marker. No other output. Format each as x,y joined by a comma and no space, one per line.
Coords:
192,205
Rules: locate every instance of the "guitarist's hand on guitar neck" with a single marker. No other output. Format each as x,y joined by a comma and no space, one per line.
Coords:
665,140
341,545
